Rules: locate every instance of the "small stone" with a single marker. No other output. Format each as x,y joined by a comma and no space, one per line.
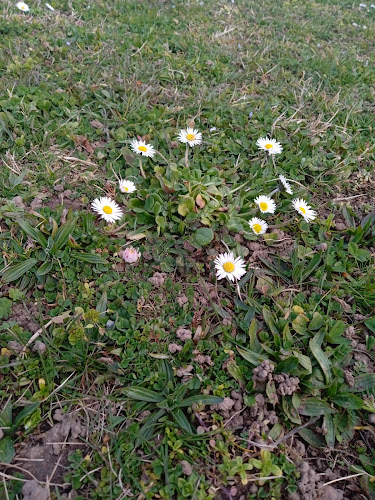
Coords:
200,430
40,347
15,347
32,490
371,418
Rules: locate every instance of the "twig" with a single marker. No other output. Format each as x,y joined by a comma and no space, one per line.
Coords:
294,431
344,478
78,160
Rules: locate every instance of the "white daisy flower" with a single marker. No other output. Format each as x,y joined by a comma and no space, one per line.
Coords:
265,204
304,209
259,226
126,186
141,148
23,6
270,145
190,136
107,209
285,183
229,267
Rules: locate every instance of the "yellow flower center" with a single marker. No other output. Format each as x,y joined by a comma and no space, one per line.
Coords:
263,206
142,148
228,267
190,137
303,210
257,228
126,189
22,7
268,146
107,209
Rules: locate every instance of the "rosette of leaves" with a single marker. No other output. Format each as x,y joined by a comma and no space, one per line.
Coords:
167,406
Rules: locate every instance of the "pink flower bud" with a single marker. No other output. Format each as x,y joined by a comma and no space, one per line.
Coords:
130,255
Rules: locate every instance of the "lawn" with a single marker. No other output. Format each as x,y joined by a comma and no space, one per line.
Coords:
155,379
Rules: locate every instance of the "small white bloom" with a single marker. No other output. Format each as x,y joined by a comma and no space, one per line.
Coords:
285,183
259,226
23,6
265,204
141,148
130,255
270,145
190,136
364,27
362,5
49,6
212,129
107,209
126,186
229,267
356,25
304,209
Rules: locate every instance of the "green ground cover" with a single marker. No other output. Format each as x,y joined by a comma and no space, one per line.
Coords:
144,373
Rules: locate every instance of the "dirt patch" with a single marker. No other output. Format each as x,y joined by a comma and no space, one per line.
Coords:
25,317
46,455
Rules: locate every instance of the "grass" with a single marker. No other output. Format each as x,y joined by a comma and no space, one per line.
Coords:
77,85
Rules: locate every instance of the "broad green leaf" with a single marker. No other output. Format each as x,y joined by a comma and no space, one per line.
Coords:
290,411
148,427
287,365
313,407
312,265
312,438
7,451
320,356
22,416
143,394
370,323
206,400
254,342
330,428
181,420
186,206
62,235
316,321
304,361
12,273
252,357
45,268
101,306
364,383
348,400
202,236
269,319
91,258
33,232
235,371
336,332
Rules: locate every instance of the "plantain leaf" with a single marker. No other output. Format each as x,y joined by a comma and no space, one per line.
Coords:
33,232
6,450
313,407
252,357
143,394
45,268
62,235
330,427
365,382
12,273
348,400
181,420
206,400
90,258
320,356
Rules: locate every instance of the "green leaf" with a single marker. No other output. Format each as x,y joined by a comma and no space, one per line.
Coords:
363,383
33,232
143,394
45,268
91,258
313,264
287,365
12,273
101,306
316,321
336,332
181,420
330,427
202,236
62,235
206,400
254,342
6,415
269,319
186,206
320,356
348,400
7,451
313,407
5,307
235,371
148,427
304,361
21,417
312,438
370,323
252,357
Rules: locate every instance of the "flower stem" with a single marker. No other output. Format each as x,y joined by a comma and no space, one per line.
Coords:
187,155
274,191
141,168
